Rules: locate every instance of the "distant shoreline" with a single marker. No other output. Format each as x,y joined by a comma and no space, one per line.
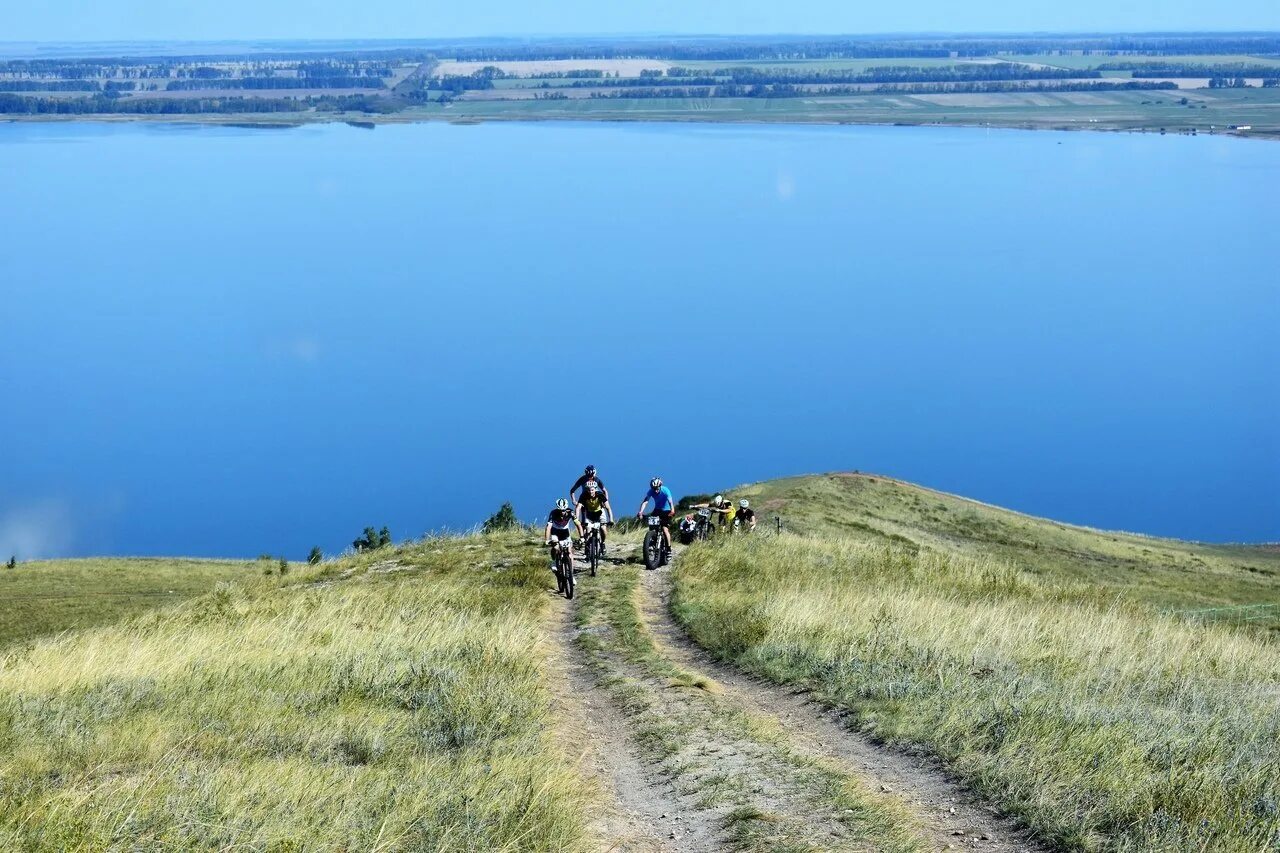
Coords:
278,121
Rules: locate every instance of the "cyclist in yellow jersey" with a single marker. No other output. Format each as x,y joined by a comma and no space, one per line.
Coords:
723,510
593,505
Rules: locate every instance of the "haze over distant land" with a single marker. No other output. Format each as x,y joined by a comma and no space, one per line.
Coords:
81,20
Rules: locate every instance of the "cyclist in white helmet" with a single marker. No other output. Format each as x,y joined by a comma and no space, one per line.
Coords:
723,509
560,523
746,515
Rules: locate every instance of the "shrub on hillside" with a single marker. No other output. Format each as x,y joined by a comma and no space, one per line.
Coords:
13,563
284,566
686,503
503,519
372,540
315,556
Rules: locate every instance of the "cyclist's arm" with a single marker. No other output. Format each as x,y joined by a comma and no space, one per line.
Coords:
643,504
546,534
608,507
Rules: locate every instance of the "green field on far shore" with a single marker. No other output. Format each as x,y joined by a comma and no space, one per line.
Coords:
48,596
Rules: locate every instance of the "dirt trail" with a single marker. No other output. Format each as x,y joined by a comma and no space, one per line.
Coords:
696,756
641,811
949,814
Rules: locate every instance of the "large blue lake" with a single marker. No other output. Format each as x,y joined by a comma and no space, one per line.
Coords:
235,341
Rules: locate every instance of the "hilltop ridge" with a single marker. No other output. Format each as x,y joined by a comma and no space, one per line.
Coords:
1171,574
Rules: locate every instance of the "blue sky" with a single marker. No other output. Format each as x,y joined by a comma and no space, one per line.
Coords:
90,20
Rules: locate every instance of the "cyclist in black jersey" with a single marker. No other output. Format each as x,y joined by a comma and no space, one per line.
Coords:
580,484
560,526
560,523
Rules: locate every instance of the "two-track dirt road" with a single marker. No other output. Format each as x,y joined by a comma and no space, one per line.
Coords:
692,755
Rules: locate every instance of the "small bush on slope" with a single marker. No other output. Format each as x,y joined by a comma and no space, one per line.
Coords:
503,519
373,710
1105,726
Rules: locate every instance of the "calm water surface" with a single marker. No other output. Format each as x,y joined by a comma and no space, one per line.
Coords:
229,341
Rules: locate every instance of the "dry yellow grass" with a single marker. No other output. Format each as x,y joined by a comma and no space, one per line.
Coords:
1105,725
347,708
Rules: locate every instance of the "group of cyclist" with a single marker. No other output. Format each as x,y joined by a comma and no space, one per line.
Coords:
588,503
724,514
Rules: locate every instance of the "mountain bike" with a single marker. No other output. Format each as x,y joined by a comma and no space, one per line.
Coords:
594,544
705,529
656,551
562,556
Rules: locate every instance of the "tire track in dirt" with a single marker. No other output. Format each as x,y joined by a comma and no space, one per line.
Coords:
950,816
731,779
641,811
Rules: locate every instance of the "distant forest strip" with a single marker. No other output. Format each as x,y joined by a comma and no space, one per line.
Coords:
169,69
745,48
752,76
361,61
277,83
1184,69
788,90
101,105
50,86
205,67
765,76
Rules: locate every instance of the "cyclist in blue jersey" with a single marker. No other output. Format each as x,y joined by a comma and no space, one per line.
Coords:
664,506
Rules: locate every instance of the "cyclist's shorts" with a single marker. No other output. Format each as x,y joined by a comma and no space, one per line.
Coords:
665,515
588,515
561,533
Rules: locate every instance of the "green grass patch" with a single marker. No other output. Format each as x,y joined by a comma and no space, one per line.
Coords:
1103,724
391,701
48,596
1203,582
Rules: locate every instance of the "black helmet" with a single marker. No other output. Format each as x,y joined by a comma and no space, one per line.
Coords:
590,471
655,483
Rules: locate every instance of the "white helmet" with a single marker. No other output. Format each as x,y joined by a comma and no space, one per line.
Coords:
719,499
744,503
562,504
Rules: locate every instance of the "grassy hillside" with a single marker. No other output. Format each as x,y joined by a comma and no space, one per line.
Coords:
1206,582
385,702
44,597
1031,656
